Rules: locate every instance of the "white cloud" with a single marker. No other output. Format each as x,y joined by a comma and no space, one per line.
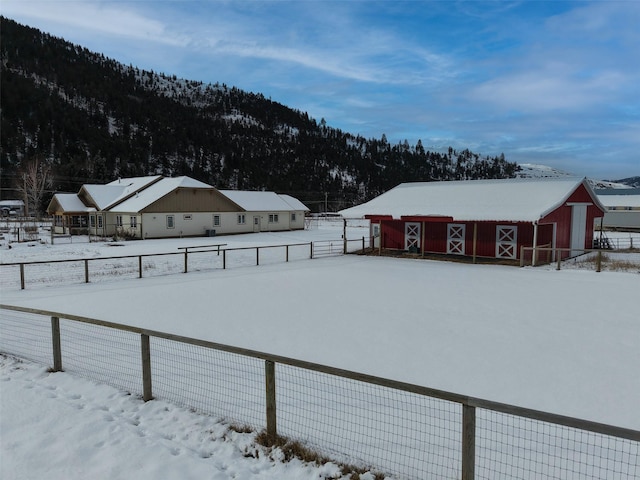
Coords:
113,19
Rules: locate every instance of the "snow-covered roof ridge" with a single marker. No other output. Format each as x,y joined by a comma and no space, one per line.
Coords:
518,199
261,201
145,197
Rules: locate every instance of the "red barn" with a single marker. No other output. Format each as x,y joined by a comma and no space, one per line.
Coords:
484,218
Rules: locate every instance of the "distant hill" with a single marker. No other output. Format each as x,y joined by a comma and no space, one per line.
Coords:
632,182
530,170
93,119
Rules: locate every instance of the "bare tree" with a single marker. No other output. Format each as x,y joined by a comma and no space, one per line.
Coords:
33,181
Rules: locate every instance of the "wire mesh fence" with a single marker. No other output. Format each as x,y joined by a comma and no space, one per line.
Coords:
405,431
210,381
510,447
365,425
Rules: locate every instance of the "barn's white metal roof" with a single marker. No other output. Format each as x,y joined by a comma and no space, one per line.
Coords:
500,200
263,201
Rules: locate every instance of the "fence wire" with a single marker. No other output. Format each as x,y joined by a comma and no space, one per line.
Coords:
210,381
365,425
101,354
27,335
355,422
511,447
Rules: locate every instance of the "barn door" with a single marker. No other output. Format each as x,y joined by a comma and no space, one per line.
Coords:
411,235
506,241
578,228
455,238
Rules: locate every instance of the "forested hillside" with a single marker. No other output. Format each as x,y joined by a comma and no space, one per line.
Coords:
91,119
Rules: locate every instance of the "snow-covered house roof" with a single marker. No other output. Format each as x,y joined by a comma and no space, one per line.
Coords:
104,196
259,201
482,200
156,191
70,202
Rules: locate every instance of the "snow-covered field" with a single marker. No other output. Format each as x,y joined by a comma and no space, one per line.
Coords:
564,341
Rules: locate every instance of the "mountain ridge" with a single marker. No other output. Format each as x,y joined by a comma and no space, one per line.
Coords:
94,119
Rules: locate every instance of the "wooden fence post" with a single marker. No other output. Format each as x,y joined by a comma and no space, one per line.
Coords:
86,271
311,247
287,253
147,393
599,261
185,260
55,341
468,442
224,259
22,276
270,383
257,256
140,266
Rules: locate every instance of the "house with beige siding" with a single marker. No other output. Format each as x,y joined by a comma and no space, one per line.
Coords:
161,207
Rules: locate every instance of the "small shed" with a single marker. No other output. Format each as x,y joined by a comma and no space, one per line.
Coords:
623,209
484,218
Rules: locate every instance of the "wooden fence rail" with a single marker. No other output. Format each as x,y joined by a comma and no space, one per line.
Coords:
316,249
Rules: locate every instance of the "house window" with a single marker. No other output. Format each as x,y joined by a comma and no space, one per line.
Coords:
187,216
171,221
133,222
92,221
293,217
118,220
216,220
99,221
241,219
273,218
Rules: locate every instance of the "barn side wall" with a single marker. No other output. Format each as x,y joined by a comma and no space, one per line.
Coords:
561,216
435,236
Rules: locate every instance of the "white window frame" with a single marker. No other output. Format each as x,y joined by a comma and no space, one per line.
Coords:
216,220
171,222
133,221
293,216
99,221
273,218
118,220
242,219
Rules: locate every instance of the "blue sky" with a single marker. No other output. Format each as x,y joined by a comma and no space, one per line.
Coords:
555,83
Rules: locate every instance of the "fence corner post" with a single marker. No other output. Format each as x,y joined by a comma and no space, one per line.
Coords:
468,442
55,341
147,392
270,383
86,270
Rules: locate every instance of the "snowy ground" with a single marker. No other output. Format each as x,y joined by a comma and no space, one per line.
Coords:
564,342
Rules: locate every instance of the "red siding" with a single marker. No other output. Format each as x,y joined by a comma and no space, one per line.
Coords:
435,231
